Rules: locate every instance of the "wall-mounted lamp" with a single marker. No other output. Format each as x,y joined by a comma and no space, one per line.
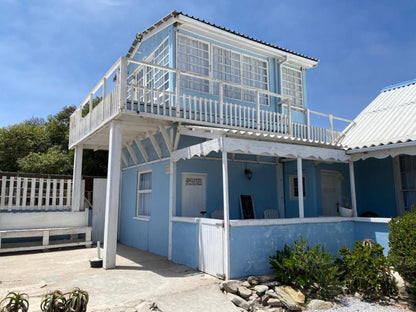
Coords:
248,173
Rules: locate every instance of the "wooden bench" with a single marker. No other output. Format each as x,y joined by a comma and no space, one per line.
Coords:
46,234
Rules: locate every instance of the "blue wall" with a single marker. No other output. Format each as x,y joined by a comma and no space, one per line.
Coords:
185,246
375,186
251,246
151,235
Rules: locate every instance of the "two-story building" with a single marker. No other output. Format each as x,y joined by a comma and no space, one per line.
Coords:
214,159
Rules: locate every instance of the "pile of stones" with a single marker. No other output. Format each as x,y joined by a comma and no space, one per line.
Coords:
264,293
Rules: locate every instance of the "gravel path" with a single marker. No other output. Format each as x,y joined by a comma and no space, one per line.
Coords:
350,304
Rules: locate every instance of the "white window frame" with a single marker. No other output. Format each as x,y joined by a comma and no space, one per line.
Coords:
287,90
294,184
264,102
138,214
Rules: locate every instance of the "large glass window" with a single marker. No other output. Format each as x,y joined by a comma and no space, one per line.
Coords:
408,180
144,194
292,85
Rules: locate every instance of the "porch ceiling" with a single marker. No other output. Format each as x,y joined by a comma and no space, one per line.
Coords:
132,126
254,147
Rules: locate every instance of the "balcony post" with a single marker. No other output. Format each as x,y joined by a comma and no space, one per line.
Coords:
352,184
112,196
77,179
90,110
331,127
221,96
178,94
258,110
226,214
123,83
289,116
308,124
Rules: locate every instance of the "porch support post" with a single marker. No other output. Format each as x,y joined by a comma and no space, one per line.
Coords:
226,215
112,196
300,187
352,184
77,179
172,201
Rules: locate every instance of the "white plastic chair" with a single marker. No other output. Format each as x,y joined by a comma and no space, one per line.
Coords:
271,214
217,214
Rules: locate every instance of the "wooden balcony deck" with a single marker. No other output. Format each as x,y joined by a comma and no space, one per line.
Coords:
131,97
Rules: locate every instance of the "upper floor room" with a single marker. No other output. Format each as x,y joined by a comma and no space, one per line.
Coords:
185,70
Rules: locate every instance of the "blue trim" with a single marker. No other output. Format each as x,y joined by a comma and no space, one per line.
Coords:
398,85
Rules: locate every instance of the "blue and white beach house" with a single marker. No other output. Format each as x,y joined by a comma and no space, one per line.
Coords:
216,160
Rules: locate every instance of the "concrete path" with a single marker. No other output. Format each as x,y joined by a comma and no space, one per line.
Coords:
139,279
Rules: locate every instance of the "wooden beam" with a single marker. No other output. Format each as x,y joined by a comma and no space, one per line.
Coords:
132,153
165,136
124,159
352,184
141,149
155,144
300,187
226,215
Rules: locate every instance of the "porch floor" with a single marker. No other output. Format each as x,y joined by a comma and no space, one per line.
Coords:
139,277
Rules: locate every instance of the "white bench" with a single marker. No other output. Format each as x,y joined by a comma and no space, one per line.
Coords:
46,234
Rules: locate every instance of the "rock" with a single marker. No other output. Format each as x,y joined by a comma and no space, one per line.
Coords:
222,286
271,284
286,300
253,280
246,284
244,292
296,295
273,302
264,300
231,287
260,289
280,309
238,301
317,304
271,293
266,278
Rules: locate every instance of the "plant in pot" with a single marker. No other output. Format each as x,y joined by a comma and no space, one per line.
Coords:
15,302
345,210
54,302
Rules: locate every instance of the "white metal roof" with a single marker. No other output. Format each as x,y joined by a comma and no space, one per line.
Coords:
390,118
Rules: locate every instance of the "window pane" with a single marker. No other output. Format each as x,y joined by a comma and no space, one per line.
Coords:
144,204
145,182
292,85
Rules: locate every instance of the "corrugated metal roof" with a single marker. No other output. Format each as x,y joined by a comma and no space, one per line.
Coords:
175,14
389,119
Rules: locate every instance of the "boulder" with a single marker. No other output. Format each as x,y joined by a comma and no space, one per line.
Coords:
253,280
246,284
244,292
264,300
260,289
271,293
238,301
230,287
287,300
296,295
317,304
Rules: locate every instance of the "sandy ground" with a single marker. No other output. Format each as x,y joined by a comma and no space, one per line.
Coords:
140,276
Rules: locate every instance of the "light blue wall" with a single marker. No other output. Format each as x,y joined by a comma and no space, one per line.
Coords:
149,235
262,186
374,183
252,246
185,247
312,173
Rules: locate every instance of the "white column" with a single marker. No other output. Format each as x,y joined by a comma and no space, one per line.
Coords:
226,215
77,179
352,184
172,201
112,196
300,187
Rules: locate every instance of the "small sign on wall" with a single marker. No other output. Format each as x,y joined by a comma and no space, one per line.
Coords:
168,169
193,181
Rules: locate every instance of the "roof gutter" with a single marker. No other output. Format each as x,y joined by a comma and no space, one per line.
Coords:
380,148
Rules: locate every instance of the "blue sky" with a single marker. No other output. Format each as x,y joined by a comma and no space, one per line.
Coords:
52,53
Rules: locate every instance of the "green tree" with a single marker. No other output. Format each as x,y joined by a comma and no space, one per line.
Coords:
53,161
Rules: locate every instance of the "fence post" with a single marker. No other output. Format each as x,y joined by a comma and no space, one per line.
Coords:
331,127
104,95
289,115
258,110
123,83
308,124
178,94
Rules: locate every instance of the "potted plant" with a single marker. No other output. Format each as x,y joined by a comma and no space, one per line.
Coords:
345,210
15,302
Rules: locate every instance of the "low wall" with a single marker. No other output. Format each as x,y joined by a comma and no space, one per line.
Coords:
253,242
185,242
36,220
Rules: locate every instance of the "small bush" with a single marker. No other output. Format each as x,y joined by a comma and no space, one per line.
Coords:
15,302
309,267
402,254
366,270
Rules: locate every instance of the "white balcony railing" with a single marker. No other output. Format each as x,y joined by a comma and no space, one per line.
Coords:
161,92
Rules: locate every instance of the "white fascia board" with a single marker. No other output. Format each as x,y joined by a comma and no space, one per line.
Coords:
384,151
215,33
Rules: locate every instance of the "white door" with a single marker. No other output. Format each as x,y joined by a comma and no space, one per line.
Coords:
211,247
193,195
331,192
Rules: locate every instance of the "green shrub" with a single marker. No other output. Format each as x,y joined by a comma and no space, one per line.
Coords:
402,254
309,267
365,270
15,302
